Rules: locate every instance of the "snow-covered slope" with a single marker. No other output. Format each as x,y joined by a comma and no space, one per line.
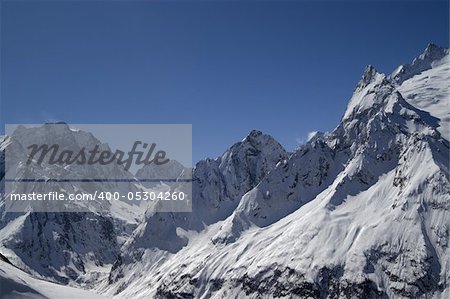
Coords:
428,88
16,284
217,188
430,58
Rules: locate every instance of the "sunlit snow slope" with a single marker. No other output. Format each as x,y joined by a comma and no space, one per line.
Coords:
429,90
16,284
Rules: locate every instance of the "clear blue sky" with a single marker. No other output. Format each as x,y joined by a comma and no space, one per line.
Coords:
286,68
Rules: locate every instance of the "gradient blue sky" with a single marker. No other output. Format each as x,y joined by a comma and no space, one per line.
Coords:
286,68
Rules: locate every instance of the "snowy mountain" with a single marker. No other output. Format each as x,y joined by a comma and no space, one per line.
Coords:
69,248
432,57
217,188
363,210
359,212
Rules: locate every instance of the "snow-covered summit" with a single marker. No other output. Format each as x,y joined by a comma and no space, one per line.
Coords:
370,75
431,57
427,87
372,89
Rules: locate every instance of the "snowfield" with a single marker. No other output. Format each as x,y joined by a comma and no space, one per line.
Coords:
429,91
16,284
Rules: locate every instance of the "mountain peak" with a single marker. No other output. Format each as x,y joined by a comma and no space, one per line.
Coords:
430,57
364,95
434,51
370,75
254,134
